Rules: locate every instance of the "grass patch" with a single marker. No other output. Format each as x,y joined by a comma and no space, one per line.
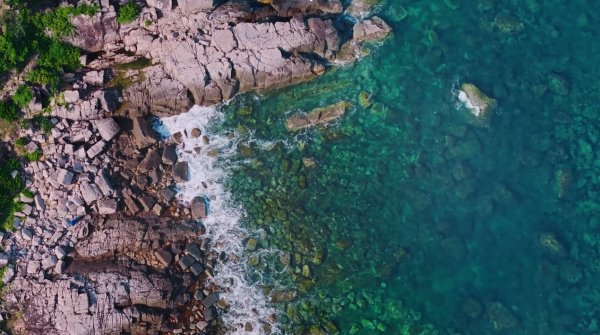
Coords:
26,192
135,65
33,156
21,141
22,96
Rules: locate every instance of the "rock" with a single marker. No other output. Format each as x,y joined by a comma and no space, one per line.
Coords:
148,203
90,192
293,8
145,135
193,250
106,207
27,234
40,205
169,155
558,84
186,261
196,133
33,267
71,96
251,244
508,23
199,295
370,30
60,252
9,274
4,259
65,177
164,256
197,269
317,116
192,6
150,162
104,184
31,147
501,317
167,194
210,300
180,172
158,209
49,262
96,149
163,6
60,266
480,108
199,208
284,296
95,78
107,128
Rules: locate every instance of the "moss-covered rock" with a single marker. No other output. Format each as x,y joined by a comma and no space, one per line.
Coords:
317,116
479,106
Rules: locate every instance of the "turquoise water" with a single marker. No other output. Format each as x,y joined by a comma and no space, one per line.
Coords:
412,220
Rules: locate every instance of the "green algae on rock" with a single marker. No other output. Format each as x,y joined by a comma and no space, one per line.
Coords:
479,106
317,116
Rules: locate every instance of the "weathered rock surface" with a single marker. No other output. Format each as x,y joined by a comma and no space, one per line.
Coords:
122,234
145,135
480,107
317,116
181,172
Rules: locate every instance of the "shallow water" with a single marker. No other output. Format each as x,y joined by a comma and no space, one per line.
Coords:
412,220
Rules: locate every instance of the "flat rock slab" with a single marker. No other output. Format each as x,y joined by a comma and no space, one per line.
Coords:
197,269
210,300
65,177
96,149
193,250
107,206
108,128
317,116
164,256
150,162
186,261
148,203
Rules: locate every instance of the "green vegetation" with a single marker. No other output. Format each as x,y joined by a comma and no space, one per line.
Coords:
8,111
9,187
128,13
148,23
44,76
21,141
22,96
59,21
26,192
139,64
33,156
43,122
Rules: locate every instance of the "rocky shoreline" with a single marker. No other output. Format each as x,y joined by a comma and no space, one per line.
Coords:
104,246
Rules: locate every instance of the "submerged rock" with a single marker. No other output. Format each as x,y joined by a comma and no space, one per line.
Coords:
500,316
480,107
371,30
317,116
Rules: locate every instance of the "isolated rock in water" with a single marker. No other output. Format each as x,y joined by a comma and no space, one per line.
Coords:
500,316
480,107
370,30
107,128
199,208
145,135
317,116
361,8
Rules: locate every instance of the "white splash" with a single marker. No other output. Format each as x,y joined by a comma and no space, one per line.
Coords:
208,176
464,98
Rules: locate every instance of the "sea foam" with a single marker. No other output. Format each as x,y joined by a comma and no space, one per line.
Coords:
208,177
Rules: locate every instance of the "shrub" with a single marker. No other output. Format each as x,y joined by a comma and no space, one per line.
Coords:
148,23
34,156
21,141
60,55
8,111
9,186
43,122
44,76
9,57
128,13
22,96
59,21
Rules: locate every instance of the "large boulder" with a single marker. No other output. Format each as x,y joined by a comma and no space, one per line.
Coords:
150,162
107,128
181,172
371,30
143,132
192,6
199,208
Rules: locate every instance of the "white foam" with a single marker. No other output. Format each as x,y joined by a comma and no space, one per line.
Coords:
464,98
208,176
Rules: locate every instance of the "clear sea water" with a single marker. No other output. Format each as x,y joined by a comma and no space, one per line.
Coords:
413,221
